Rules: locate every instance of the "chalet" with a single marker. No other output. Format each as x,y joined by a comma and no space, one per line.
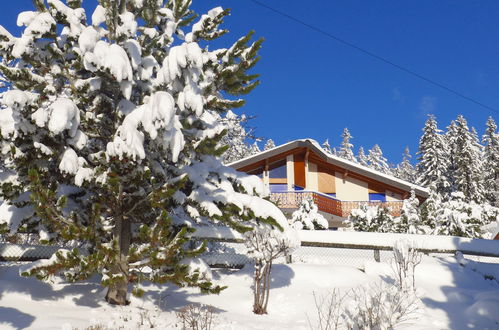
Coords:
302,169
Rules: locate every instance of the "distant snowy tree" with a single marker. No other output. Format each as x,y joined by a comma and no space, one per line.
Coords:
109,138
377,161
450,145
433,157
362,158
405,170
410,218
237,137
327,147
269,144
346,147
308,217
431,209
254,149
491,163
467,163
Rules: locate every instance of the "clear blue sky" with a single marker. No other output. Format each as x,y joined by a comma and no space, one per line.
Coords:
313,86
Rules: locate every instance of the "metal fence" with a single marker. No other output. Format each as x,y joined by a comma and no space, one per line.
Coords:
226,249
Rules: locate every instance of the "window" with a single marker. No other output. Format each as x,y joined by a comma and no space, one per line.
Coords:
377,197
278,170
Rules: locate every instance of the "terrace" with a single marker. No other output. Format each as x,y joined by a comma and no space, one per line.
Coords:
328,204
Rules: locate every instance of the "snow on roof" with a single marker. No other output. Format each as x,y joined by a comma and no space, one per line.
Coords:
349,165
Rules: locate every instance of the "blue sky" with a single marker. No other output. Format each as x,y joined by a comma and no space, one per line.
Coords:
313,86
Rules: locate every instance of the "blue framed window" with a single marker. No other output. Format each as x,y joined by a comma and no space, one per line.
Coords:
377,197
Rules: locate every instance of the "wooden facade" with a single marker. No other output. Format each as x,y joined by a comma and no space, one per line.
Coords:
302,169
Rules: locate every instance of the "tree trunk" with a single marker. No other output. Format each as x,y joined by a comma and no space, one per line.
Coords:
118,290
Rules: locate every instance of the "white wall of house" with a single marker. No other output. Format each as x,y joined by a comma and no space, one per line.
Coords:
393,197
290,172
350,189
312,180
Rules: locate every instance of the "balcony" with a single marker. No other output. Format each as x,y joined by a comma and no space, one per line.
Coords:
328,204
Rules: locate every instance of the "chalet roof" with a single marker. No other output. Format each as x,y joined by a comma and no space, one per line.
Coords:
335,160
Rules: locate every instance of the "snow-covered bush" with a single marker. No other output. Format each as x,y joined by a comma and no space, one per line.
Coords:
266,243
405,259
371,218
308,217
109,137
458,217
381,306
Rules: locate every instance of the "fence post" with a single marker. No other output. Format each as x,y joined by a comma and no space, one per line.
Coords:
377,256
289,258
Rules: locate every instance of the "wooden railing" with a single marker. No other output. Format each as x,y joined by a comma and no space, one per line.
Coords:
292,199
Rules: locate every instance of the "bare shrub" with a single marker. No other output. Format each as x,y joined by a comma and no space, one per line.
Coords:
196,317
265,244
406,258
329,309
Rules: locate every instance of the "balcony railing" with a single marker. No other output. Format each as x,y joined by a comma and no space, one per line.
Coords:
328,204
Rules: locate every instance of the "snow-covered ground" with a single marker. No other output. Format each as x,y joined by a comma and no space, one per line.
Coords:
452,296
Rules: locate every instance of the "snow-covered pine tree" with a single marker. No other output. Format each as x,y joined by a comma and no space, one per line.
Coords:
307,216
326,146
405,170
109,138
433,157
377,161
269,144
460,218
490,141
467,163
362,158
450,143
410,218
431,209
346,147
254,149
237,137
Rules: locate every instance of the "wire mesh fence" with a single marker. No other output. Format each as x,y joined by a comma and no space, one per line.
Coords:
26,252
230,254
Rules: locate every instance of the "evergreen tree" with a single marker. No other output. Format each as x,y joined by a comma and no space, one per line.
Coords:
377,161
467,167
362,158
460,218
405,170
410,218
326,146
491,163
433,158
108,132
346,147
450,145
254,149
237,137
269,144
431,210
